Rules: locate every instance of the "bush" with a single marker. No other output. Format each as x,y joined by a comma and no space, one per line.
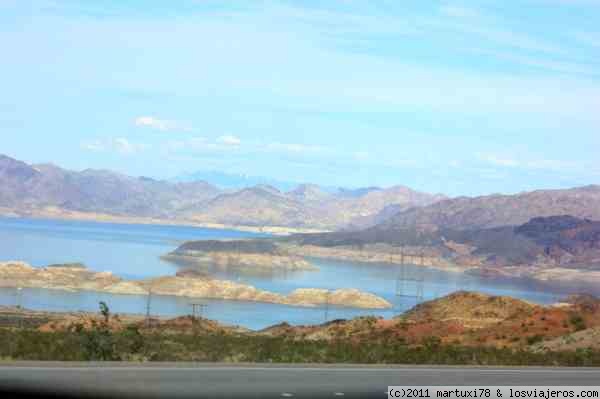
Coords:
578,322
534,339
101,344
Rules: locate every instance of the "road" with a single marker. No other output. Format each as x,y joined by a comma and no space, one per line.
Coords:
264,381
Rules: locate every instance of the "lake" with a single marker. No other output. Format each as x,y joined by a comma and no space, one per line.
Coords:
133,252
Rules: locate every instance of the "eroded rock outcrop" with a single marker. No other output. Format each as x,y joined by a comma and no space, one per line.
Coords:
19,274
245,254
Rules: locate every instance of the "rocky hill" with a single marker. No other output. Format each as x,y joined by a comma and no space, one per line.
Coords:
48,190
25,188
555,240
305,207
364,210
465,318
254,206
500,331
471,309
489,211
556,249
310,193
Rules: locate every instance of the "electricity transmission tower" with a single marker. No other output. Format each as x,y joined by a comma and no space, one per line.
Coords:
417,279
198,309
19,307
148,304
19,297
326,309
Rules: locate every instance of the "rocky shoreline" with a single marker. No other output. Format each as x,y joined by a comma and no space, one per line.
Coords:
247,255
224,260
289,255
79,278
368,255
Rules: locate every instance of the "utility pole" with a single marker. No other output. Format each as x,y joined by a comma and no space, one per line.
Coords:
326,306
148,303
19,308
402,256
420,280
18,294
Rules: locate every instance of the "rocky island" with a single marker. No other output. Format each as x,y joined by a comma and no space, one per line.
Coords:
243,254
186,284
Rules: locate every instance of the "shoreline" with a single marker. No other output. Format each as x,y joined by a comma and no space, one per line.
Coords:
553,276
542,275
392,259
77,278
60,215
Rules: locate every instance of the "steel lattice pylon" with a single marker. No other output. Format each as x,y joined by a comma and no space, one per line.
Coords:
403,277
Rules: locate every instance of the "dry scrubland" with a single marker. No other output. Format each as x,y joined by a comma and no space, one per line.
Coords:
462,328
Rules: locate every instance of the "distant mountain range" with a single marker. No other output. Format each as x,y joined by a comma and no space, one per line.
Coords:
500,210
543,228
29,190
545,241
307,206
238,181
233,181
26,187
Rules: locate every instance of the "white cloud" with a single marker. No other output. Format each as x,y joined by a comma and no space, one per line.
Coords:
458,11
532,164
361,155
490,174
498,160
294,148
551,164
195,143
590,39
203,145
124,146
119,145
159,124
229,140
95,146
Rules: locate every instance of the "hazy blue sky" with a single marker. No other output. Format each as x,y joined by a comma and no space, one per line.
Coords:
461,97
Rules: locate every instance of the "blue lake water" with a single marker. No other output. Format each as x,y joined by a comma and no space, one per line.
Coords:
133,252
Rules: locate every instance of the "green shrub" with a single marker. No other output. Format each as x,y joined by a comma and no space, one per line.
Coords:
101,344
534,339
578,322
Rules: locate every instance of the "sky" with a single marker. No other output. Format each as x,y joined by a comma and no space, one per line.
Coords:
458,97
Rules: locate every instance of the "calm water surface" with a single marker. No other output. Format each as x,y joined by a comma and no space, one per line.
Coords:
133,251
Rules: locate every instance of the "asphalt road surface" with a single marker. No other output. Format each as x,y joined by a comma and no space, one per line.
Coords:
264,381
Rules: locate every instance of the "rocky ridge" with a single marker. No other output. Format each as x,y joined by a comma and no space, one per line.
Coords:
50,191
19,274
